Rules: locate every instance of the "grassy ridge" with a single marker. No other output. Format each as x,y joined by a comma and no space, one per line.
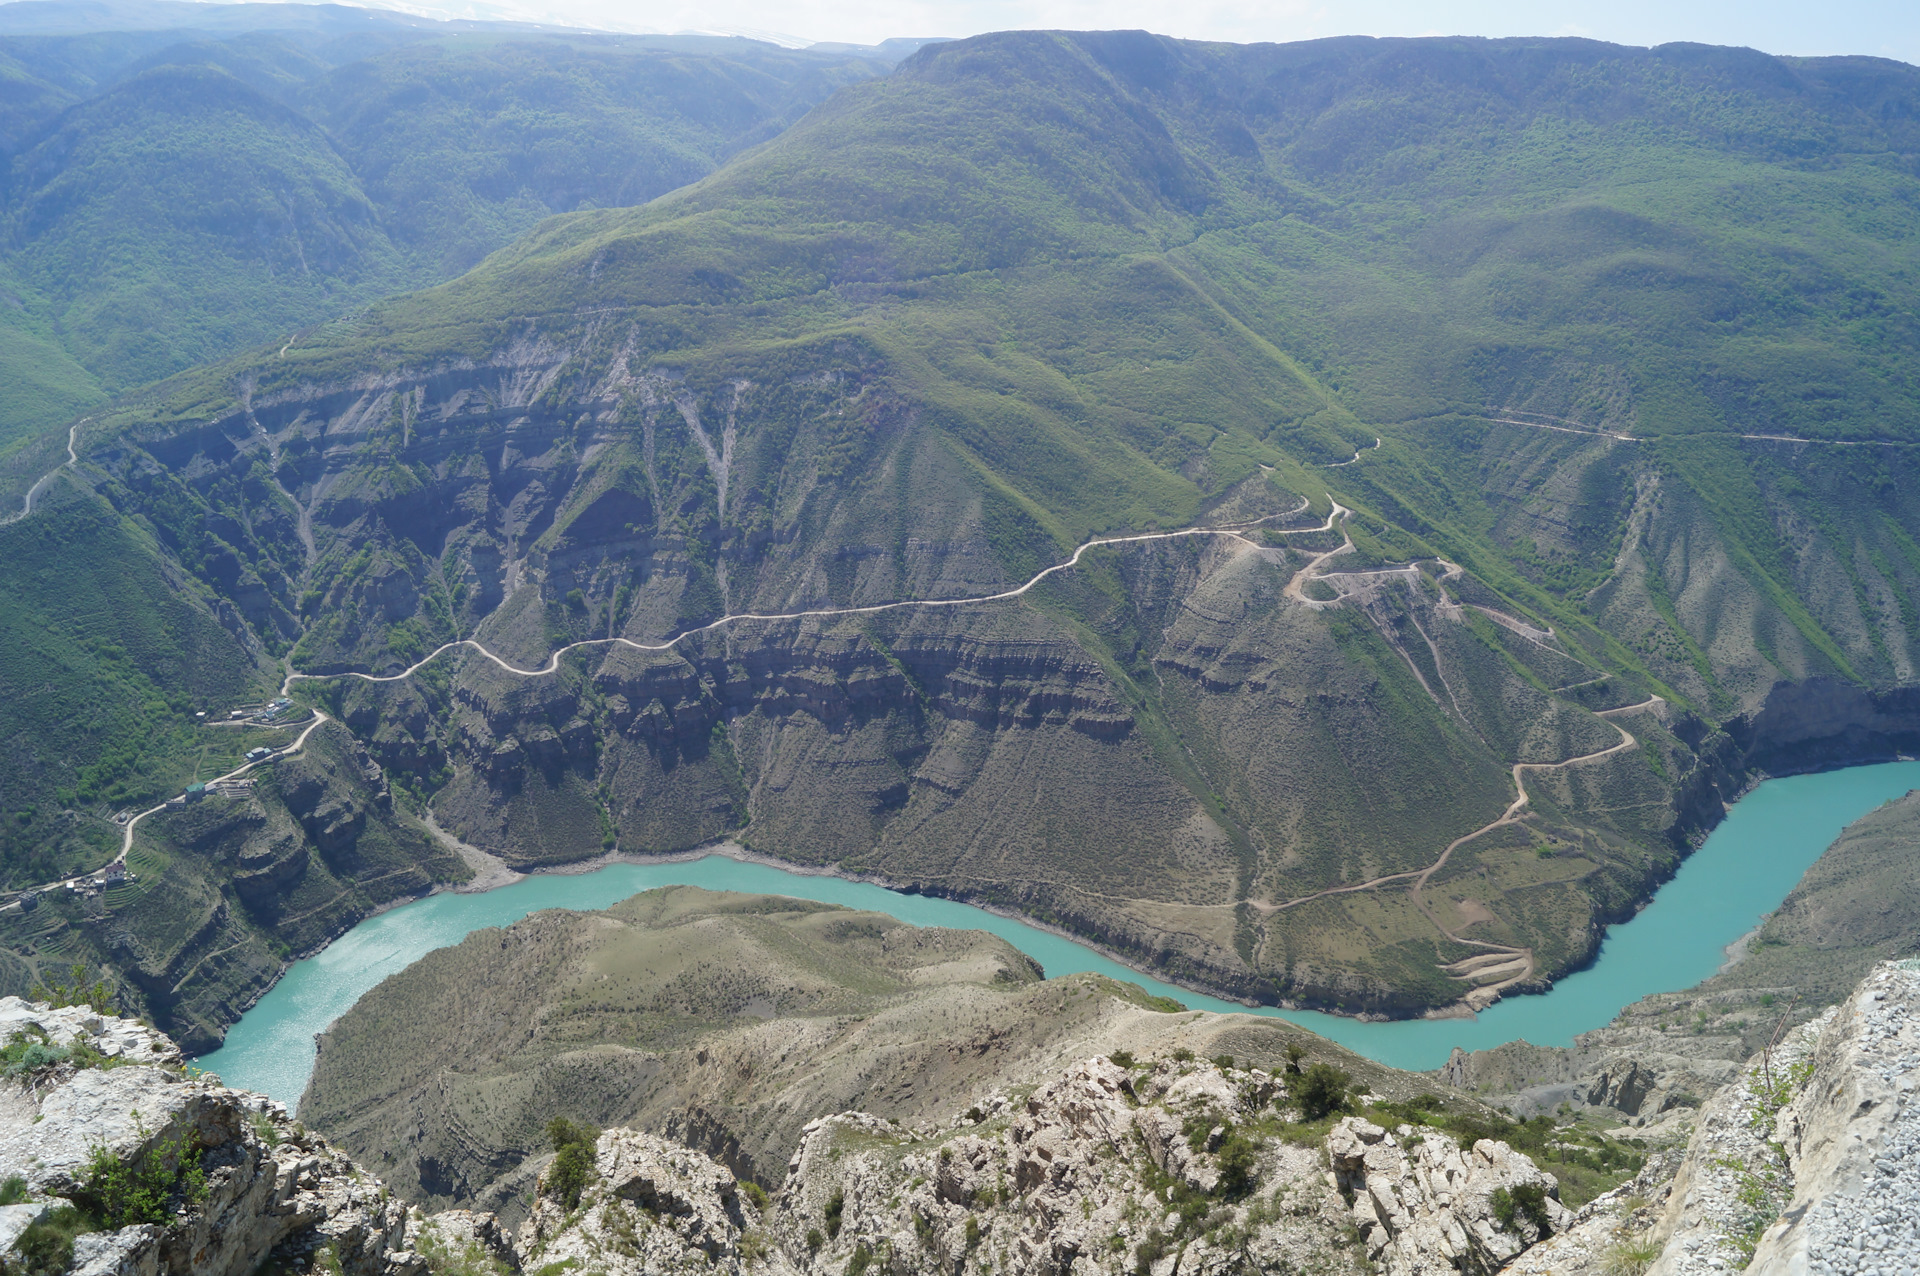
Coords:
173,197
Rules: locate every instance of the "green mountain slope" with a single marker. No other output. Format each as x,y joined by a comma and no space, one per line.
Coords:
173,196
466,145
182,214
1536,313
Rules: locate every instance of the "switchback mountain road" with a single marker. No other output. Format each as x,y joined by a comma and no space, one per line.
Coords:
1520,959
1235,531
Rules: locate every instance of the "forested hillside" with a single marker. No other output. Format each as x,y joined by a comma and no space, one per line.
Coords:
1549,405
180,183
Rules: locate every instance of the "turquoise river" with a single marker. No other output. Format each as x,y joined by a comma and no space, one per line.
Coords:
1743,871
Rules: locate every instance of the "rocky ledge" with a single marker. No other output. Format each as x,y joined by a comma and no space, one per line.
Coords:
118,1160
1806,1162
1178,1167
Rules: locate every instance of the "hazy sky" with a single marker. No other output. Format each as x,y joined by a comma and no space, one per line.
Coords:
1888,28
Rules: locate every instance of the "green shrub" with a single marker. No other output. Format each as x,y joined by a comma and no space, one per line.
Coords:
754,1193
76,991
1238,1159
1150,1251
265,1127
1295,1053
1529,1201
46,1247
1224,1062
13,1191
836,1206
1123,1058
1631,1257
30,1050
1321,1091
573,1151
120,1194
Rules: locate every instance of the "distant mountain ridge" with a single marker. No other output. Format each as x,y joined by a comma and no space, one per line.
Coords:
76,17
184,180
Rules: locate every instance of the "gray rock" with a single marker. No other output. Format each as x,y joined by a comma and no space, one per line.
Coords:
1424,1205
650,1207
15,1219
273,1190
1852,1137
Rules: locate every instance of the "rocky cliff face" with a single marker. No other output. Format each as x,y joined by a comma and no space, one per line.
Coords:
170,1173
1099,1169
1852,1139
1804,1162
1162,749
230,887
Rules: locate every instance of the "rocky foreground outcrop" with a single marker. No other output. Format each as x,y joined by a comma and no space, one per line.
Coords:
1805,1163
170,1172
1180,1166
1808,1161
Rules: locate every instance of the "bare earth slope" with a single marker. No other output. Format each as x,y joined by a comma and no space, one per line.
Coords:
725,1021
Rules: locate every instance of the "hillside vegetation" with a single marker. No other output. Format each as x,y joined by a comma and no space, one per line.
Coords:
187,187
1595,364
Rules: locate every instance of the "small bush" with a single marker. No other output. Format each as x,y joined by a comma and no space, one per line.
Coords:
1224,1062
76,991
1295,1053
1631,1258
266,1129
30,1050
1183,1055
1528,1201
836,1206
120,1194
1150,1251
573,1151
755,1193
1124,1058
1238,1159
1321,1091
13,1191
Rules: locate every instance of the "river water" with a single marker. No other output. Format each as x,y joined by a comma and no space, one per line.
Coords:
1743,871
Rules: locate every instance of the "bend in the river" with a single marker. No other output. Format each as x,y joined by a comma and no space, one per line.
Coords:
1742,872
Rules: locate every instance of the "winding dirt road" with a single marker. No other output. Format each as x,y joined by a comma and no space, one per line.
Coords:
1514,964
39,484
1234,531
